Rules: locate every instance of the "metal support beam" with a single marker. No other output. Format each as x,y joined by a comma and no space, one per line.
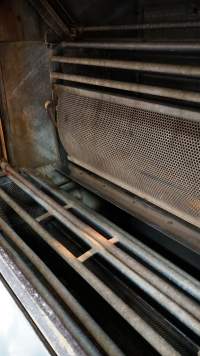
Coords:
120,306
51,18
42,308
47,215
180,278
175,69
141,104
69,300
137,46
144,26
183,95
171,299
134,266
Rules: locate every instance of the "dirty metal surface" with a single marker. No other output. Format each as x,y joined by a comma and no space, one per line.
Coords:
18,21
152,155
38,311
31,140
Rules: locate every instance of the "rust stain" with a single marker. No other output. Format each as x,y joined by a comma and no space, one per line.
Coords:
10,26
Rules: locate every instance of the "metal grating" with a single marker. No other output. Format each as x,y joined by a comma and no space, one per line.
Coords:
153,155
119,280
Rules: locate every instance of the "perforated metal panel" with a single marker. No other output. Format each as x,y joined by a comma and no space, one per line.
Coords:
153,155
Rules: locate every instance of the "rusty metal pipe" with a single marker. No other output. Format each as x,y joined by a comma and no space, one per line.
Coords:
99,335
143,46
96,242
64,318
175,69
133,87
144,26
149,334
169,270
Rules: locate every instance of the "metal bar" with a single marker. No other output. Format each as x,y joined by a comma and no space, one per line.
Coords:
2,140
114,240
89,323
50,17
174,111
176,69
45,216
33,296
65,12
143,46
132,87
148,333
52,279
143,277
172,228
5,121
169,270
133,189
87,255
147,26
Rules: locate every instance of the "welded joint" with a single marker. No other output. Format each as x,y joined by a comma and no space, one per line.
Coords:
47,215
85,256
114,240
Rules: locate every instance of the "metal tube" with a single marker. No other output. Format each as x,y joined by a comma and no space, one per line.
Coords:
99,335
144,272
68,323
181,233
133,87
169,270
134,46
97,242
149,334
176,69
147,26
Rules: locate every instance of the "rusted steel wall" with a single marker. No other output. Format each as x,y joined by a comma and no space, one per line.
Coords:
25,86
19,22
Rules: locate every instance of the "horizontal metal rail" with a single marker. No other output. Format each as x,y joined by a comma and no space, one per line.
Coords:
133,87
175,229
141,104
182,279
143,46
144,26
152,278
43,309
149,334
99,335
114,256
176,69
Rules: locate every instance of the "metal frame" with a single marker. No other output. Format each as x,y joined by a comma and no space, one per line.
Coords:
174,229
39,308
183,95
141,104
171,272
131,46
50,17
145,26
179,305
176,69
65,295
